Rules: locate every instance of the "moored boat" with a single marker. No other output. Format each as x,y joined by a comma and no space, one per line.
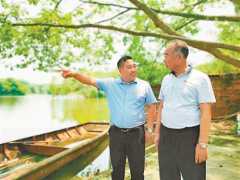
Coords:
41,155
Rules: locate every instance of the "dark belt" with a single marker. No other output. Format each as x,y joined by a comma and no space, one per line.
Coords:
139,129
127,130
180,130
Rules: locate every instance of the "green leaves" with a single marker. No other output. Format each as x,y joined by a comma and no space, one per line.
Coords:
33,2
6,39
13,87
149,67
218,67
40,41
229,32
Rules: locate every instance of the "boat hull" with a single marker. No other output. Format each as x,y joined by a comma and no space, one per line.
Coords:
84,152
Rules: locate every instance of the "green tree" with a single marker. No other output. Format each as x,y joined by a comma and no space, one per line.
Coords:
52,36
218,67
13,87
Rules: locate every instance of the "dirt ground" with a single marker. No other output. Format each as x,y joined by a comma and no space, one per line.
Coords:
223,162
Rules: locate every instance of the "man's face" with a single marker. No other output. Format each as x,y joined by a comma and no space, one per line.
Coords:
170,58
128,70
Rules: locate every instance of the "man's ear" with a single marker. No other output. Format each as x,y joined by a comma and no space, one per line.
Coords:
120,69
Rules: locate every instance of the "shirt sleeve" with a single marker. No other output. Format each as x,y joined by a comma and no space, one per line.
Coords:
102,84
205,91
161,96
150,97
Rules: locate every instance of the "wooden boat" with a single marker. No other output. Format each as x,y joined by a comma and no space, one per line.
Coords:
39,156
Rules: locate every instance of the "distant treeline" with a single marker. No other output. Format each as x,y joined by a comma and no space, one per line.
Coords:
71,86
13,87
150,71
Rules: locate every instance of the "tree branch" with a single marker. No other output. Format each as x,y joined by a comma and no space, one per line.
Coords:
229,59
57,4
202,45
200,16
113,17
153,16
192,6
183,25
211,48
198,3
172,13
160,24
107,4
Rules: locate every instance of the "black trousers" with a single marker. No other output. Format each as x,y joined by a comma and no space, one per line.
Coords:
127,143
177,154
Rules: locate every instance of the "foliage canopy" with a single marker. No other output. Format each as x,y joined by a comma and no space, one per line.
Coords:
46,33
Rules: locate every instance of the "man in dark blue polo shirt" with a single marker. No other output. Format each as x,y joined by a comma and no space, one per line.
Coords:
127,97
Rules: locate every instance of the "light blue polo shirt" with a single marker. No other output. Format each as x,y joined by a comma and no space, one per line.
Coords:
182,95
126,101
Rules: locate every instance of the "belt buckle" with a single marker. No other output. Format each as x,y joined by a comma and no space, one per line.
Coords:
124,130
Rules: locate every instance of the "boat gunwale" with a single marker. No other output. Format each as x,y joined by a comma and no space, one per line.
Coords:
54,131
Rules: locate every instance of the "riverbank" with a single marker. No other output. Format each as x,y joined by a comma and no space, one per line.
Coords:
223,162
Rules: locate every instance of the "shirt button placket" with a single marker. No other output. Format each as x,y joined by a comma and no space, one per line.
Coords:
124,104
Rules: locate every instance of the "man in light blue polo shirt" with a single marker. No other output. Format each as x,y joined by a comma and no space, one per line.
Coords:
127,96
183,118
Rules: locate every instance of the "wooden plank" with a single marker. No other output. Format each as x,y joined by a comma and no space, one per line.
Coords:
62,135
41,149
73,132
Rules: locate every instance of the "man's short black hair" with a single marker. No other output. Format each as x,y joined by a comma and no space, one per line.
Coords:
122,60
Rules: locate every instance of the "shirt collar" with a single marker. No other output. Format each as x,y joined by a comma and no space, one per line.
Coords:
186,72
120,81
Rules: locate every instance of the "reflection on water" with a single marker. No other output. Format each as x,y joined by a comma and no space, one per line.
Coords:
101,163
36,114
74,170
9,101
79,109
24,116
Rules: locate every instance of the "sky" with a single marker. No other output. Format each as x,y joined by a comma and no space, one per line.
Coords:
208,30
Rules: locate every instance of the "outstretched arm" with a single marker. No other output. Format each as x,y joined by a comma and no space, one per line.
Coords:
85,79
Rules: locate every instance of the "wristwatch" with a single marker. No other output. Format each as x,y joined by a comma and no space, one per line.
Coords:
203,145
